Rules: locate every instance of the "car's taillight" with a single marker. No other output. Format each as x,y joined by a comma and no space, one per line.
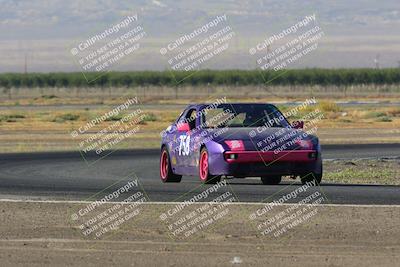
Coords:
304,144
235,145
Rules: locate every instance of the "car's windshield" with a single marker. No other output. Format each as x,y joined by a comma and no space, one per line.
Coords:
243,115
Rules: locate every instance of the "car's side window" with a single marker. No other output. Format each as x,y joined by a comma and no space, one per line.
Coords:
191,118
188,116
181,116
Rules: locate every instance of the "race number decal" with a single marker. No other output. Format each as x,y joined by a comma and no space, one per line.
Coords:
184,145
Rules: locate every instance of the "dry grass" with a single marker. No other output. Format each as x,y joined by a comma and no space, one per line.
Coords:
47,128
185,94
381,171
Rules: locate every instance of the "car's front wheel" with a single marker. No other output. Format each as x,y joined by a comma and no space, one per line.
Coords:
166,174
205,176
271,180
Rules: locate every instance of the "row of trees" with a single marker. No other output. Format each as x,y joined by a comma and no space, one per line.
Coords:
204,77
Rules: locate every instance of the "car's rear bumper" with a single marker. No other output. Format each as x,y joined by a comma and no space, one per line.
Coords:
263,169
255,163
270,156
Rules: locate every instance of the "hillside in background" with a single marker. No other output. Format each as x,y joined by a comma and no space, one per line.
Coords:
356,32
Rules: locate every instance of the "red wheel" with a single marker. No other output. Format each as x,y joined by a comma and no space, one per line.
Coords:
166,174
203,166
205,176
164,165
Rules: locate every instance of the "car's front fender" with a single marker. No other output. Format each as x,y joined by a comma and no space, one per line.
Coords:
217,164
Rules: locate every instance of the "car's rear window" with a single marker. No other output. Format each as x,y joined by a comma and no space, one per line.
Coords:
243,115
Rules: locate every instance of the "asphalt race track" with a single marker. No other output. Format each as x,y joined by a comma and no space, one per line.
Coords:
67,176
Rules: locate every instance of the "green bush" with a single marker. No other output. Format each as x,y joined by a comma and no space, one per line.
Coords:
66,117
384,119
149,117
49,96
11,117
375,114
338,77
327,106
115,118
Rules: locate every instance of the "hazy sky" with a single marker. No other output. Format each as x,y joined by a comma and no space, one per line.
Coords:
356,33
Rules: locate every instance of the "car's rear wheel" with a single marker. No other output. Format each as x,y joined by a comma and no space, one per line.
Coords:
271,180
204,173
317,177
166,174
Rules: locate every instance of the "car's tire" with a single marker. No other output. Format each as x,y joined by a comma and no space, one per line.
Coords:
311,177
204,173
166,174
271,180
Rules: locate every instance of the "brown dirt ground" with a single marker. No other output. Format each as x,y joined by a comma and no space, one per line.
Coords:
42,234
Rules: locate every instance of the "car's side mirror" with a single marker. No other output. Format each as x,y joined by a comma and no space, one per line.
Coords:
298,124
183,127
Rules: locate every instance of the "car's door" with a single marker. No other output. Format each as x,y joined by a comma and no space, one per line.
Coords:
172,140
184,140
196,139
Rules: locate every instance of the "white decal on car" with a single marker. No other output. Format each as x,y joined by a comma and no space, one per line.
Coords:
184,145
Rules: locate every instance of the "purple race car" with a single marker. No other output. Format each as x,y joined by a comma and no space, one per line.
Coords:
238,140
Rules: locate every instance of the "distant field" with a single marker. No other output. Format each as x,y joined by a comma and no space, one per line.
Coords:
39,111
309,77
45,123
186,94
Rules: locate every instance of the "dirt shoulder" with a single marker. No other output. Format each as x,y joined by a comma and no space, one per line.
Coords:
38,234
363,171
